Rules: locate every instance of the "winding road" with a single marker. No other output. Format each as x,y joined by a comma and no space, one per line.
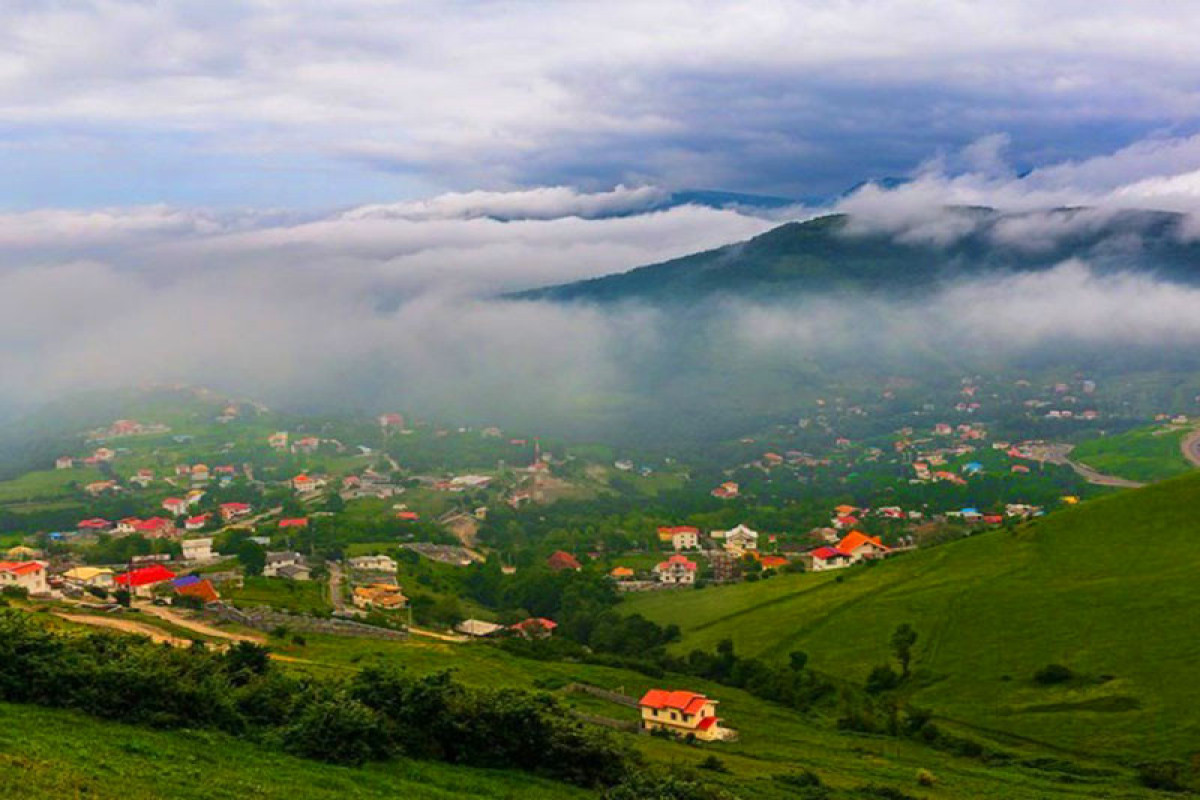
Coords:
1191,447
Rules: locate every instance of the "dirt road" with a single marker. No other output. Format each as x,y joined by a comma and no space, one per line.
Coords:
127,626
199,627
335,586
1191,447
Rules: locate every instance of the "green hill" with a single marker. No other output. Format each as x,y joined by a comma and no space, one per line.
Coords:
1107,589
823,255
1145,454
50,753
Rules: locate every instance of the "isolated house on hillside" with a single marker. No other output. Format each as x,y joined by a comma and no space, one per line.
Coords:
682,713
680,537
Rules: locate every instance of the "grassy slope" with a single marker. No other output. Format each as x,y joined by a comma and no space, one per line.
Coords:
300,597
1108,588
1146,454
774,740
49,753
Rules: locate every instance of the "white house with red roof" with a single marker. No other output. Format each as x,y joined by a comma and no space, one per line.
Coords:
682,713
175,505
738,540
232,511
27,575
680,537
142,581
535,627
678,570
155,527
825,558
306,483
860,547
196,523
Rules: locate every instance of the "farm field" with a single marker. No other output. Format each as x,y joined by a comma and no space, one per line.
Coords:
1145,454
1105,589
300,597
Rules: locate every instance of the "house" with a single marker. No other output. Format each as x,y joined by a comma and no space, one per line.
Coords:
196,523
277,561
232,511
726,491
155,527
682,713
621,573
293,522
197,549
824,558
294,572
97,488
677,570
98,577
127,525
560,560
141,582
393,421
409,516
682,537
535,627
195,586
478,627
844,522
773,562
859,547
380,596
378,563
278,440
200,473
305,483
64,462
27,575
94,525
175,506
308,444
738,540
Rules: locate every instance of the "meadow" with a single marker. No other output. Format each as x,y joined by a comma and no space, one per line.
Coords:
1144,454
1106,589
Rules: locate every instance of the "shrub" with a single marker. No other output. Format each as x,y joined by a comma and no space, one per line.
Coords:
925,777
1052,674
713,763
1166,776
338,730
883,678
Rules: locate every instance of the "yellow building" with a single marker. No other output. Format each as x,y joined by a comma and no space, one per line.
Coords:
382,596
682,713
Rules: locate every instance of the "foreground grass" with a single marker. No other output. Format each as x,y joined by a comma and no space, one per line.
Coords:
1145,454
51,753
1108,589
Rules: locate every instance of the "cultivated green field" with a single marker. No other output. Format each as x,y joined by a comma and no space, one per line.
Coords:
1108,589
300,597
61,754
1145,454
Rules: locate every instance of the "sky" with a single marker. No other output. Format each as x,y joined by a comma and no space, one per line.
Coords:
317,201
315,104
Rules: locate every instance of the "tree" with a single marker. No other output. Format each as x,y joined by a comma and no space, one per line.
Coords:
798,659
252,557
903,639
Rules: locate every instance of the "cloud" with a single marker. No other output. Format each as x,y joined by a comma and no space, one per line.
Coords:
797,98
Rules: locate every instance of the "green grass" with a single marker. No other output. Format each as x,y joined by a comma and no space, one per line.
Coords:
50,753
1107,588
1145,454
46,485
301,597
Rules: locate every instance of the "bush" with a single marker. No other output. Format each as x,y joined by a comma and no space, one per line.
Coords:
713,763
1052,674
338,730
1166,776
925,777
882,679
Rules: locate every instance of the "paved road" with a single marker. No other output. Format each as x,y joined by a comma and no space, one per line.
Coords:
1060,454
1191,447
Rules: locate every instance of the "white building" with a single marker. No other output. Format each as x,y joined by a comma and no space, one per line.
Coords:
738,540
28,575
197,549
676,570
378,563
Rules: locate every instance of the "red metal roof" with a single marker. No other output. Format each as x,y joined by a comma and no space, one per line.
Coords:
687,702
145,576
826,553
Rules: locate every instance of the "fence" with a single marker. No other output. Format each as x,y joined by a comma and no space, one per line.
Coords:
267,620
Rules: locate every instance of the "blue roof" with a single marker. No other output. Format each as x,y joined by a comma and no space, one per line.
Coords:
969,511
186,580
